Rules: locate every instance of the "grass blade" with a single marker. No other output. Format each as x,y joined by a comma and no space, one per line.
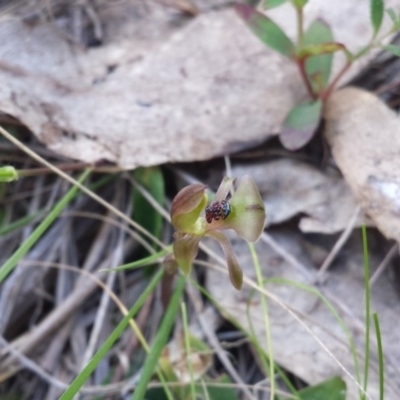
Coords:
160,340
380,357
367,307
8,266
142,262
115,334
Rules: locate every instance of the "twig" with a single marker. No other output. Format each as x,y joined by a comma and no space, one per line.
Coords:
338,245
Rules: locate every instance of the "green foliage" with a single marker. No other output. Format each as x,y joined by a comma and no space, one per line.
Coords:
318,67
376,14
268,4
395,19
115,334
209,386
160,340
313,55
266,30
367,309
143,212
300,124
330,389
8,266
380,357
393,48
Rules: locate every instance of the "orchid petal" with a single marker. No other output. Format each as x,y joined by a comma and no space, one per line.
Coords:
187,206
235,272
185,249
247,216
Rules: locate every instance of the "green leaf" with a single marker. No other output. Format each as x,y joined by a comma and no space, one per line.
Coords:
300,124
268,4
319,65
330,389
376,9
392,16
320,49
143,212
392,48
267,30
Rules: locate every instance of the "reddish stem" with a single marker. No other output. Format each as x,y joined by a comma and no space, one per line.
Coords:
327,92
301,63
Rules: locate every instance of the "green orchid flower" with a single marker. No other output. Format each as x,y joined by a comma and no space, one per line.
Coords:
244,212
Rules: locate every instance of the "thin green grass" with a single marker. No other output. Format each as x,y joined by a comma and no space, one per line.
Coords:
367,309
187,348
105,347
160,340
264,306
142,262
380,357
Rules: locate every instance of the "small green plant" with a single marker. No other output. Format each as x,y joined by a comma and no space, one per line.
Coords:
244,213
313,55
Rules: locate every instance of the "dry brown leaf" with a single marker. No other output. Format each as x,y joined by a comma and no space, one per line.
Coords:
364,135
159,88
293,347
147,100
290,187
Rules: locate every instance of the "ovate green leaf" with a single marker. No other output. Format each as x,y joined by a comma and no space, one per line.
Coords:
267,30
376,9
330,389
301,124
318,67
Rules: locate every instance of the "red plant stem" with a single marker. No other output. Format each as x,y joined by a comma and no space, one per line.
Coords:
327,92
301,63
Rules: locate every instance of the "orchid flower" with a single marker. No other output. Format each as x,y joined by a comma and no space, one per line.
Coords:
244,212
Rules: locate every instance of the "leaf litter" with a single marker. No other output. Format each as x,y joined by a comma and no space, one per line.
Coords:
155,78
319,201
